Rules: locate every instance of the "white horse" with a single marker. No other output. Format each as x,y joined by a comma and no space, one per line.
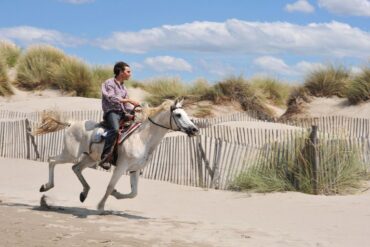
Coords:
133,153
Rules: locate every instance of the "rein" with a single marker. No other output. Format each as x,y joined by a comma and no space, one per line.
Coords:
165,127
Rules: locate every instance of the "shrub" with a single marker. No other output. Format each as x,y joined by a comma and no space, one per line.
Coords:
200,90
272,90
328,81
164,88
73,75
359,89
340,170
296,102
35,67
238,89
10,52
5,88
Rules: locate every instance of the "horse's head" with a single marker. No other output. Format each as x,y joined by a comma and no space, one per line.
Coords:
182,120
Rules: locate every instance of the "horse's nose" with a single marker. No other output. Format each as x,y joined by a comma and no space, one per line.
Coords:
195,129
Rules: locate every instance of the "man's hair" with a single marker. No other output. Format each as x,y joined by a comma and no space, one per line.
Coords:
119,66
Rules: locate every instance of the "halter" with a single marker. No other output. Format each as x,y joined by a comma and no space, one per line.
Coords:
171,116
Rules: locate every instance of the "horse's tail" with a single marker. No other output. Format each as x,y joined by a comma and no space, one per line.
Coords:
50,124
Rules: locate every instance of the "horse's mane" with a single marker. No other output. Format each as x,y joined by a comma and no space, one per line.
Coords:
151,111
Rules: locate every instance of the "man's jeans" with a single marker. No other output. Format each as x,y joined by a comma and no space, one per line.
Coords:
112,119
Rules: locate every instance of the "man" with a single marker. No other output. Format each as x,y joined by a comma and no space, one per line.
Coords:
116,104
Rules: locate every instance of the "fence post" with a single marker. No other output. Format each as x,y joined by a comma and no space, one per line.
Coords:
30,137
199,157
314,158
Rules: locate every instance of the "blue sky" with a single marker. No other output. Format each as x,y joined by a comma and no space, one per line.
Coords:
193,39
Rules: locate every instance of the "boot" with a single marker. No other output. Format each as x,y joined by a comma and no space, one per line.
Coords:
105,161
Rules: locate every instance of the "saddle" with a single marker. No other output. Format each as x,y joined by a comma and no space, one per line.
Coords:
127,127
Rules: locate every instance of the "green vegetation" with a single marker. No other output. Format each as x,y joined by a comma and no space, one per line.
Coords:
35,67
238,89
272,90
359,89
73,75
5,88
10,53
328,81
340,170
164,88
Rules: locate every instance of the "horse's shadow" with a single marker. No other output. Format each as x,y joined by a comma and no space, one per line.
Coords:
75,211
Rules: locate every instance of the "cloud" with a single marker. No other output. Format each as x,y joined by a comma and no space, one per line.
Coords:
236,36
31,35
300,6
77,1
167,63
270,64
273,64
353,7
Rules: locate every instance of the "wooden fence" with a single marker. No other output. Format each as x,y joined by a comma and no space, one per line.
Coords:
205,161
211,160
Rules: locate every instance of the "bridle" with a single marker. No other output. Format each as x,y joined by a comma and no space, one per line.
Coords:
173,108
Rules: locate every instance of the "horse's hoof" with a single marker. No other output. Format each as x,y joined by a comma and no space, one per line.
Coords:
42,188
82,196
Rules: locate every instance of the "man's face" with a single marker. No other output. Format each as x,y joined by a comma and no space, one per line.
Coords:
126,74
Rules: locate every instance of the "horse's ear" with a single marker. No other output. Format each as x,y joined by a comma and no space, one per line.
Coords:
179,103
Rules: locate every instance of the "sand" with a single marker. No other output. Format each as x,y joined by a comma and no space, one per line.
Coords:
165,214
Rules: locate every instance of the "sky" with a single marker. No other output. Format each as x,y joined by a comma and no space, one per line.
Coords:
193,39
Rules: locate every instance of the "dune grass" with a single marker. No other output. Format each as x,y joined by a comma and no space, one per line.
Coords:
35,67
340,170
272,90
5,89
10,52
73,75
164,88
328,81
240,90
359,88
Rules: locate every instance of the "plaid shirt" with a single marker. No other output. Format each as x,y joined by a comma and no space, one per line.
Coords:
112,93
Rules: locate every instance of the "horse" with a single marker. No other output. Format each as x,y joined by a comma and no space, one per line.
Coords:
133,153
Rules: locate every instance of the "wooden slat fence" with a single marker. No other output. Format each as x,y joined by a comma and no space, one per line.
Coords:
205,161
336,125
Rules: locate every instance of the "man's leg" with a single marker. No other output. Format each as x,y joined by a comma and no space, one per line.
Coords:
113,123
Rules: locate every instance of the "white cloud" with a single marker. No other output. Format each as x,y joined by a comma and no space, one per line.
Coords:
77,1
277,66
332,39
167,63
353,7
300,6
32,35
273,64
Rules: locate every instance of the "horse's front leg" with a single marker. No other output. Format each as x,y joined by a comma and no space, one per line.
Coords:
52,162
134,180
85,161
118,172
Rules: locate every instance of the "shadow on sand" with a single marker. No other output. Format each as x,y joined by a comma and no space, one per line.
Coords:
75,211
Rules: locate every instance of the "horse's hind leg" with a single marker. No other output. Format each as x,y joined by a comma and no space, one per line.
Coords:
118,172
59,159
84,162
134,180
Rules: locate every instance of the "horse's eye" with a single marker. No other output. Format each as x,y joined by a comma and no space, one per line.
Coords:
178,115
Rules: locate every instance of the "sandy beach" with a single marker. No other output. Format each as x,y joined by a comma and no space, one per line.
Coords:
165,214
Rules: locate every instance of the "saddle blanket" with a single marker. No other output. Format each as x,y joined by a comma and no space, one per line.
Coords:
100,133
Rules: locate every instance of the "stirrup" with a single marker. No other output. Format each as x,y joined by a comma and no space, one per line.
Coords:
104,163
